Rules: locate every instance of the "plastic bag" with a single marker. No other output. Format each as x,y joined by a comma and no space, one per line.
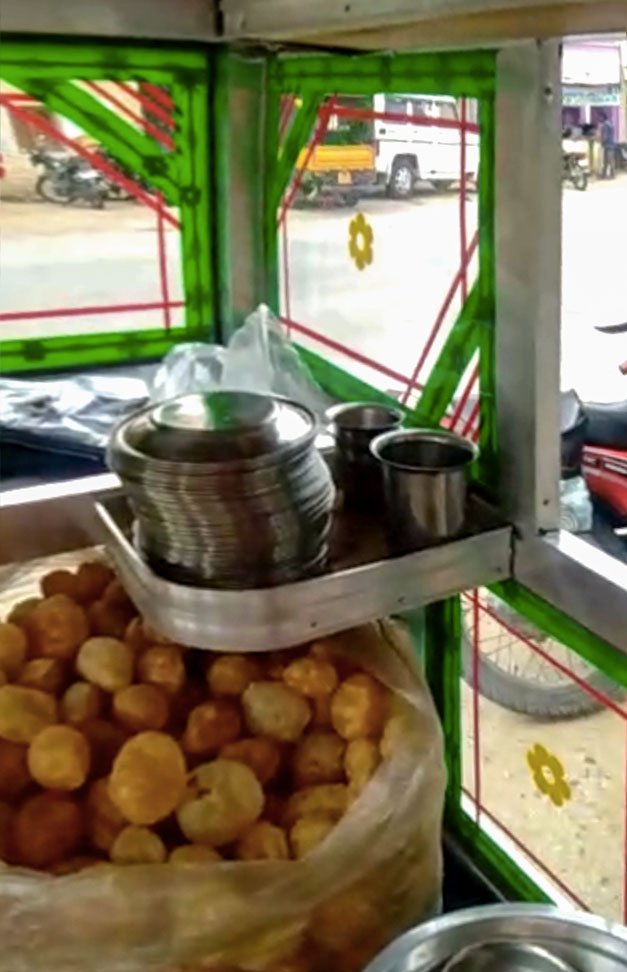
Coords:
575,505
377,873
258,358
74,415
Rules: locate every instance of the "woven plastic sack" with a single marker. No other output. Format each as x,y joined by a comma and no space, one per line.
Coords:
377,873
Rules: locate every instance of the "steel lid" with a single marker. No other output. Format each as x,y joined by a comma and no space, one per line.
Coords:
211,429
580,942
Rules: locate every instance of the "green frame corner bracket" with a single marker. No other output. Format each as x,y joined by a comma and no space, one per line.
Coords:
52,72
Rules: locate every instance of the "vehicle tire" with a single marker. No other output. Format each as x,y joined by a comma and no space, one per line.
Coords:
402,180
604,536
350,199
45,187
98,200
579,178
116,193
530,697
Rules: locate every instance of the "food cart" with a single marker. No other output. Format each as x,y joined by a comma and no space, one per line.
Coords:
188,103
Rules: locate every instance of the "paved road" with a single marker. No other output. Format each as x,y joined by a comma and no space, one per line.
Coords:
57,258
54,257
387,310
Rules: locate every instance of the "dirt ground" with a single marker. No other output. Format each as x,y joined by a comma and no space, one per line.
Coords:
40,218
583,842
581,845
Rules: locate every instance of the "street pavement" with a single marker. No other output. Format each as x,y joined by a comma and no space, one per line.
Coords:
72,256
58,257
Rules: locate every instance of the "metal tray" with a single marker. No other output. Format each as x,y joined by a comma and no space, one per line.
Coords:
364,581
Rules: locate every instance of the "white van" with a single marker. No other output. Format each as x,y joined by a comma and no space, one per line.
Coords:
406,153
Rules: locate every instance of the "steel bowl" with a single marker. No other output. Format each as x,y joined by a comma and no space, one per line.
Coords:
511,956
581,941
425,483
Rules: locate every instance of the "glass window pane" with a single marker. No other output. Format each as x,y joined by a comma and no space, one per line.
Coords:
89,245
379,244
545,757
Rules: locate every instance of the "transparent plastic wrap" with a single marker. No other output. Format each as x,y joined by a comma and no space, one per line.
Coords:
73,414
258,358
376,873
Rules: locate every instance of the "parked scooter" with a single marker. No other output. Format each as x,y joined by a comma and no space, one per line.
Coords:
67,179
575,169
594,504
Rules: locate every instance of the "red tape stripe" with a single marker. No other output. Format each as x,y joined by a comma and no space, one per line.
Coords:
528,853
158,94
86,311
123,109
163,271
594,693
439,321
155,109
364,114
461,404
342,349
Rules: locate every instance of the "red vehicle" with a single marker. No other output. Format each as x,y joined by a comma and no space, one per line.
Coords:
594,442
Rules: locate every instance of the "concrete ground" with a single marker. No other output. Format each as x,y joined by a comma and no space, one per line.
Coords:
582,843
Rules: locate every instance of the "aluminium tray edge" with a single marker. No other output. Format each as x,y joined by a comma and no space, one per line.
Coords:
279,617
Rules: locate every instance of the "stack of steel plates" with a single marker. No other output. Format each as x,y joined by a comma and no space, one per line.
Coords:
227,488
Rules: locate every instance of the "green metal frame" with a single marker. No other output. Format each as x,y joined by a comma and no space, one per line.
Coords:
49,72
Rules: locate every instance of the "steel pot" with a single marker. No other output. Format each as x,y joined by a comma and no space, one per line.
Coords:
557,941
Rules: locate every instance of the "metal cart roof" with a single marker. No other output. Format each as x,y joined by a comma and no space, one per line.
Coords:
350,25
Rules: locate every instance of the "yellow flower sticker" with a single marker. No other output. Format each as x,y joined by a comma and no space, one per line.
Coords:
360,237
548,775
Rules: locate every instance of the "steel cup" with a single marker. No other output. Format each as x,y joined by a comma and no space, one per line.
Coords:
425,484
358,474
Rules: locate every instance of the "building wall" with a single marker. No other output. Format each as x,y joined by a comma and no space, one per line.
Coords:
593,80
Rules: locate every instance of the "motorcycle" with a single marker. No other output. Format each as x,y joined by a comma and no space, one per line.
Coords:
67,179
114,190
593,492
575,170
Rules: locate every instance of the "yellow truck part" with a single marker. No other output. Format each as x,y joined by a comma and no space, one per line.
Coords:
342,158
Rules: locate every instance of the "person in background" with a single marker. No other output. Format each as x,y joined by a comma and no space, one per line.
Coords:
608,147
